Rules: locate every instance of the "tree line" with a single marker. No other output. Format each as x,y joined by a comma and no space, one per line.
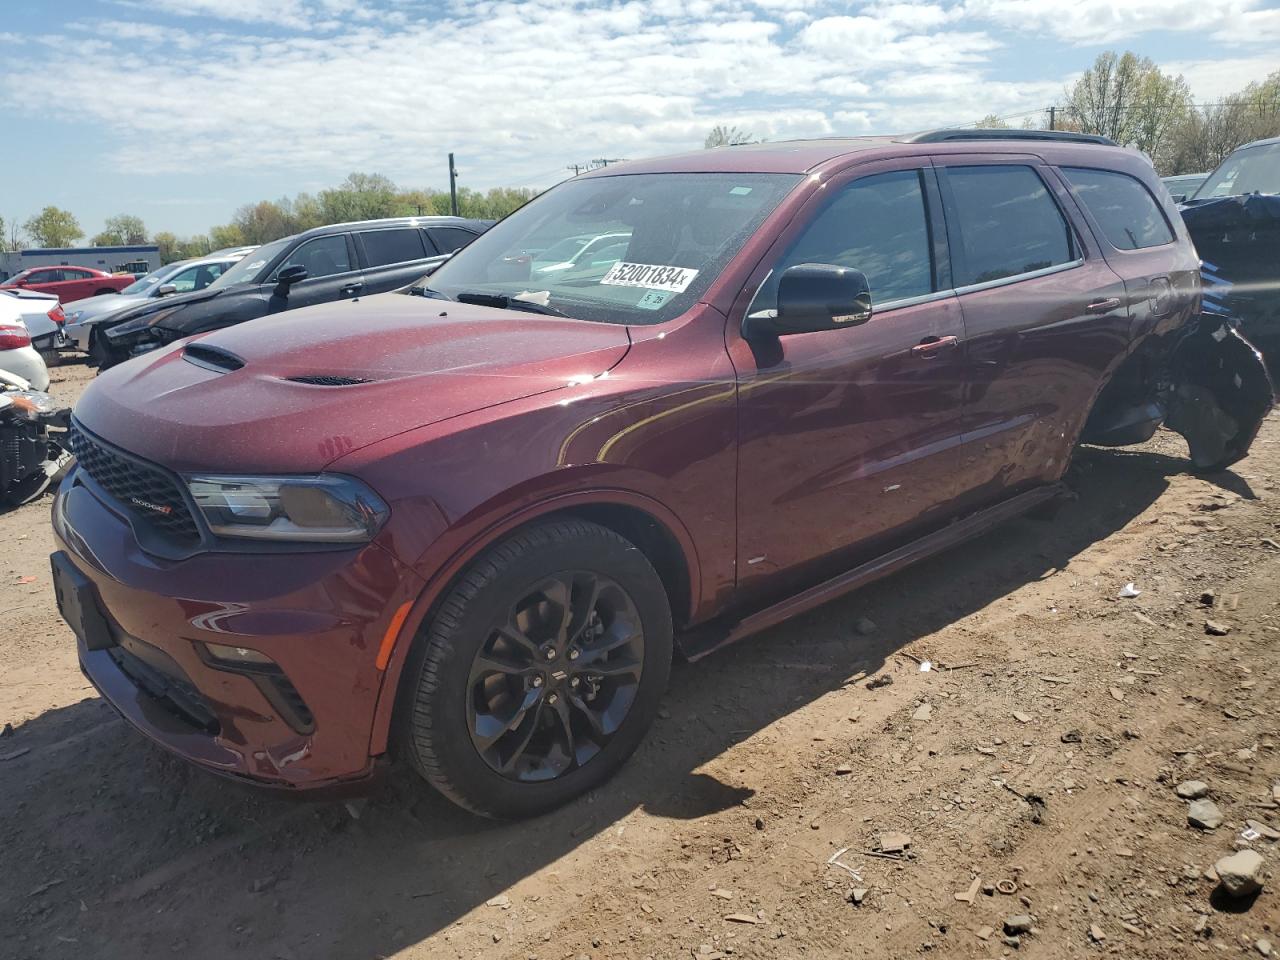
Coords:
361,196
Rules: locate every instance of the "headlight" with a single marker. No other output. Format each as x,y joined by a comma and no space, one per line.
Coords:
323,509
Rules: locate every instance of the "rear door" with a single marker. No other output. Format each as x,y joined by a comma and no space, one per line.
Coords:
1044,317
77,284
393,257
333,273
849,439
48,280
450,239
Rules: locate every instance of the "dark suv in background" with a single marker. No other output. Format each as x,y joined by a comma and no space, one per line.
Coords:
469,525
337,262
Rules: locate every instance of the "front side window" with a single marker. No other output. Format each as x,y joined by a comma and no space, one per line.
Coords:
1008,224
1123,207
385,247
877,225
663,239
253,265
46,276
323,257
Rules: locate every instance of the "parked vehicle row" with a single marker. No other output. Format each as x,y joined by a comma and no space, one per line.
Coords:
468,527
342,261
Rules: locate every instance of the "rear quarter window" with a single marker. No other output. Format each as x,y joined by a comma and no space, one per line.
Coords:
385,247
1126,212
449,239
1008,223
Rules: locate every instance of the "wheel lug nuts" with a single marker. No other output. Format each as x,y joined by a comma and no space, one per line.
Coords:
550,654
574,654
552,698
573,682
537,680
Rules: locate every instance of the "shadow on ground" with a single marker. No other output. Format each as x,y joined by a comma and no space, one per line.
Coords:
147,856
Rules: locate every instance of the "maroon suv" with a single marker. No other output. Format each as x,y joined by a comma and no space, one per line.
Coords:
467,522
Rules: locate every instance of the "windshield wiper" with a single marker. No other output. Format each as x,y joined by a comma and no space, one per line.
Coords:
505,302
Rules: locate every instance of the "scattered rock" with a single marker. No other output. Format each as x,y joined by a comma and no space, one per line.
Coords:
923,712
1240,874
741,918
1192,789
1071,736
984,933
1216,629
875,683
502,901
843,770
894,842
1096,934
865,626
1116,694
1263,946
1018,923
1264,831
857,895
1021,717
1204,814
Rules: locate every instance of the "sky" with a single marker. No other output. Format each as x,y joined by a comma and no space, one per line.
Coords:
180,111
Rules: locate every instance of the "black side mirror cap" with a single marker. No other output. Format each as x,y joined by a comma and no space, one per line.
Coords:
294,273
813,297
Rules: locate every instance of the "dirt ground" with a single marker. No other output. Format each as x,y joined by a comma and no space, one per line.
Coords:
1040,752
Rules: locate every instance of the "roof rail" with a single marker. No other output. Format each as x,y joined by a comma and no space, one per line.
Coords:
1059,136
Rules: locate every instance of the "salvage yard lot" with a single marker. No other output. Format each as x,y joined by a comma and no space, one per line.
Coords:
1047,757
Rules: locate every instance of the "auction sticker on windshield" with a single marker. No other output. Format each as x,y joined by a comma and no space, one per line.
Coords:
649,275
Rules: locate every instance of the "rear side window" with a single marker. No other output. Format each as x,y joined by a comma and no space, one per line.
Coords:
449,239
1008,224
1123,207
383,247
877,225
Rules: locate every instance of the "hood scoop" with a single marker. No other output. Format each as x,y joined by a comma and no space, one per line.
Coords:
327,380
211,357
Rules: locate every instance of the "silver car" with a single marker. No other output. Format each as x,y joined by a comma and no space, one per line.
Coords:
184,276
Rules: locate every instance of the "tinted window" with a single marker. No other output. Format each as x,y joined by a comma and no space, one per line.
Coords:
1124,209
196,278
877,225
322,256
449,239
47,276
382,247
1008,224
76,274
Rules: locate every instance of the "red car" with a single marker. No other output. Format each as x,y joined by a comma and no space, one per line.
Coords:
69,283
467,523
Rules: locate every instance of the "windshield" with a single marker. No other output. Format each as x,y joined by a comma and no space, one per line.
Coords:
151,280
641,247
1250,170
249,268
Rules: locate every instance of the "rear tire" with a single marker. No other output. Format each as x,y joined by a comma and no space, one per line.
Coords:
540,672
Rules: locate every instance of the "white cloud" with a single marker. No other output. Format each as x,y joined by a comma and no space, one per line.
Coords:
1113,21
1211,80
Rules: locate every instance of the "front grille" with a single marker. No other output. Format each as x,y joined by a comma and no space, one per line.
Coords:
146,492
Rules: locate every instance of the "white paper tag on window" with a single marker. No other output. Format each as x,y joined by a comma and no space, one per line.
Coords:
649,275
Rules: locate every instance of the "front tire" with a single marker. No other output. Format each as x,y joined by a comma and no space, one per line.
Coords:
540,672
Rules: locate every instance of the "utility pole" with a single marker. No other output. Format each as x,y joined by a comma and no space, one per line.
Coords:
605,162
1053,116
453,186
575,167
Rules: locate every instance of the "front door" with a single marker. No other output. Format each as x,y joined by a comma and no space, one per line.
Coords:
848,439
333,273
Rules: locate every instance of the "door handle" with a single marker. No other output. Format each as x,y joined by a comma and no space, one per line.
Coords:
351,288
930,347
1104,306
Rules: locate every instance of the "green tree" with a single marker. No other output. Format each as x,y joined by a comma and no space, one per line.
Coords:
168,244
54,227
722,136
1207,135
227,235
362,196
121,229
1129,99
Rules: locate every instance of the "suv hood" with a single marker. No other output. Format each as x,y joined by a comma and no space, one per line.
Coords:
231,400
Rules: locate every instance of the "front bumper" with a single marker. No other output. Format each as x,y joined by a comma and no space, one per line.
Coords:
319,616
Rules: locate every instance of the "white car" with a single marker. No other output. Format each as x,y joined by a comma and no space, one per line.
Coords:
17,355
44,317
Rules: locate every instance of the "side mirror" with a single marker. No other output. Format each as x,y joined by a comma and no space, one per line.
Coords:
166,289
813,297
294,273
